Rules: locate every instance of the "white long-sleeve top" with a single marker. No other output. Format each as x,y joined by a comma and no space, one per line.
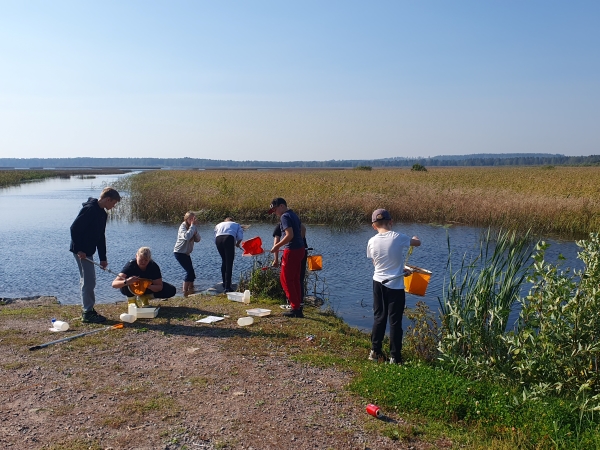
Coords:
232,228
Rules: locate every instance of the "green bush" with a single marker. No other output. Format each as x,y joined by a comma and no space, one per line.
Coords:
262,280
418,168
557,342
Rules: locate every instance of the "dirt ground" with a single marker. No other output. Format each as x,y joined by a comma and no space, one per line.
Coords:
172,384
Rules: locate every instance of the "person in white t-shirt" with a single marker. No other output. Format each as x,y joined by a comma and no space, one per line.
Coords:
228,235
388,250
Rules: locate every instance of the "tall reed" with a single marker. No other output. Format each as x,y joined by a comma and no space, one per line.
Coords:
563,201
478,299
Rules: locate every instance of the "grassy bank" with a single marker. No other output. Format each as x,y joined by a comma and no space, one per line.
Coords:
561,201
424,404
14,177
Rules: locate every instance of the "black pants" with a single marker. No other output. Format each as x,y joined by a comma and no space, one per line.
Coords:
226,247
186,263
303,276
387,303
167,291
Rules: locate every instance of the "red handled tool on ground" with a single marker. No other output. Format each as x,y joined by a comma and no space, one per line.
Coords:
70,338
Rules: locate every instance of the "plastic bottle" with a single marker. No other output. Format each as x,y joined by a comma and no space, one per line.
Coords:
129,318
132,309
245,321
59,325
246,298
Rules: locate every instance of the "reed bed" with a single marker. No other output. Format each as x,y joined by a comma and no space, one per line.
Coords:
14,177
562,201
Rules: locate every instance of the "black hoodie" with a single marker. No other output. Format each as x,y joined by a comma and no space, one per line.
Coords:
87,230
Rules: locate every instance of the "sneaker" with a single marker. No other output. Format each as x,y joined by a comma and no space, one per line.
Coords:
285,306
92,317
297,313
395,361
374,356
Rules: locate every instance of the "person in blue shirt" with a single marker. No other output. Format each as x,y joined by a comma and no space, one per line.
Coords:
293,253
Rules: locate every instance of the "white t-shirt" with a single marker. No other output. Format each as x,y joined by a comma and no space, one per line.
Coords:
388,252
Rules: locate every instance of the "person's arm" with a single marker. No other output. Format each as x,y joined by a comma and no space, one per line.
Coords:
157,285
289,235
275,254
239,236
415,241
123,280
190,232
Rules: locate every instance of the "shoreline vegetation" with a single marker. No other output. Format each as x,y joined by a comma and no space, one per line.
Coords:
549,201
16,177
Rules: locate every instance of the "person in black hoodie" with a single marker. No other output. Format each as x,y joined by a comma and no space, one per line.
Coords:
87,235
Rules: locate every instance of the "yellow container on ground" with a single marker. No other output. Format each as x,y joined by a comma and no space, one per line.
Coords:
416,283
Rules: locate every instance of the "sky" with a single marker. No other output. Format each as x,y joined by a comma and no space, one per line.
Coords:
305,80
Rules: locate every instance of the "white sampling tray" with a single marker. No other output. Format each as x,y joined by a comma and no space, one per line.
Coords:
143,313
259,312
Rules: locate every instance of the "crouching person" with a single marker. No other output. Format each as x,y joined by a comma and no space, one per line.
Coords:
142,277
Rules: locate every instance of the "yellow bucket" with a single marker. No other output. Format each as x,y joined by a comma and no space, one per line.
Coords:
315,262
416,283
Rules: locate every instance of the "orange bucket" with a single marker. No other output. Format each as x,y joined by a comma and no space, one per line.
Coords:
139,287
252,247
416,283
315,262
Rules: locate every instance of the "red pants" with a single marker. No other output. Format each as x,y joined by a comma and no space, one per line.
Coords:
290,275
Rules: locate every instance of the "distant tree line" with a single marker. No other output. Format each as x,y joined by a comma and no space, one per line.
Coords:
522,159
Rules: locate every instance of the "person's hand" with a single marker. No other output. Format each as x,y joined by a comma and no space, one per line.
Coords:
195,221
274,250
81,255
104,264
131,280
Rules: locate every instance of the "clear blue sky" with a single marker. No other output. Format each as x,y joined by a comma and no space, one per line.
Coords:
306,80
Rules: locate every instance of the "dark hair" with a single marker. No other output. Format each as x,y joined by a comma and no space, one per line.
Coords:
111,193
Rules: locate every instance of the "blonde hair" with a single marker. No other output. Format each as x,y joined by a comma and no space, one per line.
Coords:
145,252
187,216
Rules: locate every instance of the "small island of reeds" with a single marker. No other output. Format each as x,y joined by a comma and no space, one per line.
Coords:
560,201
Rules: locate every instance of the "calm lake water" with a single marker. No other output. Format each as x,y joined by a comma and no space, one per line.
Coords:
35,257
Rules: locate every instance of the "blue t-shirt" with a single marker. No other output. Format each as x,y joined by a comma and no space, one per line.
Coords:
289,219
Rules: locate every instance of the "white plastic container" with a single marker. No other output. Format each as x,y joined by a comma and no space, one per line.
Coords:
259,312
129,318
245,321
246,298
59,325
236,296
142,313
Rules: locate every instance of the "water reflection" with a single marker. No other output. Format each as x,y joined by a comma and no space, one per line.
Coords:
34,256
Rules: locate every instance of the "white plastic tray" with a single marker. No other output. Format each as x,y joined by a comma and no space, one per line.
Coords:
259,312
